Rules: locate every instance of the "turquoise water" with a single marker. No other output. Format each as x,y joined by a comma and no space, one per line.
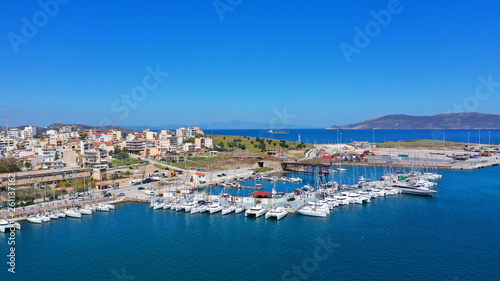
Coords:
453,236
332,136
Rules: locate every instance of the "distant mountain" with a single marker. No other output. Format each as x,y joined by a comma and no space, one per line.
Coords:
471,120
232,125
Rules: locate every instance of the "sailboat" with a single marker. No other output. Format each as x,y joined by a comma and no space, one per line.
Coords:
36,217
276,212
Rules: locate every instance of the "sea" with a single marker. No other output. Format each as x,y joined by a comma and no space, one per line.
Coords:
324,136
454,235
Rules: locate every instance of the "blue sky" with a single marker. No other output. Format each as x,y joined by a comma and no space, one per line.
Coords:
259,58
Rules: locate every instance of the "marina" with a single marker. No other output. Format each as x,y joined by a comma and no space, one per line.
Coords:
315,199
356,232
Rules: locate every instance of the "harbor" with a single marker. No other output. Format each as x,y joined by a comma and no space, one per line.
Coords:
314,193
363,228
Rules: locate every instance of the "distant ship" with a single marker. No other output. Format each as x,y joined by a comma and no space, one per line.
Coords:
278,132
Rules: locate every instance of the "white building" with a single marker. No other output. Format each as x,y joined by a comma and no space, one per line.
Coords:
30,131
188,146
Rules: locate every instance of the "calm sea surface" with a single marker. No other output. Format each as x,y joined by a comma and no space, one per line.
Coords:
332,136
452,236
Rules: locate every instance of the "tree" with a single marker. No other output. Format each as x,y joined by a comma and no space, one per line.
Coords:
27,164
56,157
9,165
83,136
121,156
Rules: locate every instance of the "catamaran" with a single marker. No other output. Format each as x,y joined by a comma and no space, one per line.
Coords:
278,213
255,211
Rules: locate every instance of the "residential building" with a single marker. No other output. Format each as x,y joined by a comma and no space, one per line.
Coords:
203,142
135,146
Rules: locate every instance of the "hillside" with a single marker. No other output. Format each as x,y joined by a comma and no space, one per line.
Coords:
471,120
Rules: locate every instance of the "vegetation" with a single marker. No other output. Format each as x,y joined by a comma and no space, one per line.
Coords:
262,170
419,144
9,165
190,140
161,167
122,158
207,162
230,143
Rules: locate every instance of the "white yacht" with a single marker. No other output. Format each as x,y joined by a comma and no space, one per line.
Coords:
364,196
342,199
415,189
313,212
228,209
214,208
320,206
45,218
103,208
34,219
332,202
353,198
239,209
86,210
196,208
188,206
53,215
278,213
61,214
167,206
295,180
179,207
73,213
256,211
158,205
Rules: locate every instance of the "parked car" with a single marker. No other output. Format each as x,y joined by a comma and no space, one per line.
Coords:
219,175
73,196
116,187
291,199
108,195
223,174
140,188
121,194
